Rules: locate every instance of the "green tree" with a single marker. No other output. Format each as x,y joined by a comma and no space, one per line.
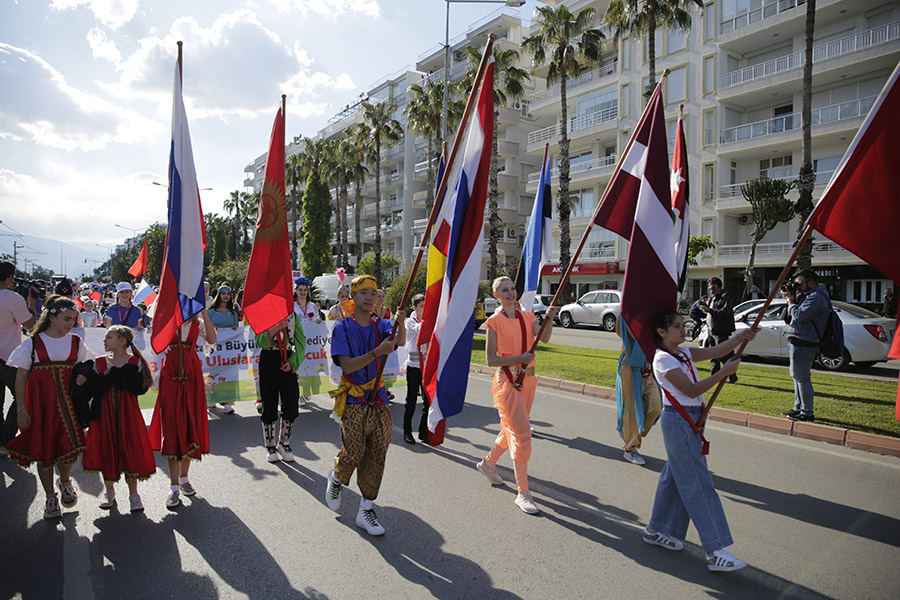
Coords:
807,178
698,244
640,16
362,152
295,174
233,206
394,293
390,265
568,44
770,207
315,251
232,271
509,82
384,129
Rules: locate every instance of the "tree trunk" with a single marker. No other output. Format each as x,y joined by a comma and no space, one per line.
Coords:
356,223
430,177
295,220
338,222
493,209
651,59
748,272
807,179
345,202
565,240
378,207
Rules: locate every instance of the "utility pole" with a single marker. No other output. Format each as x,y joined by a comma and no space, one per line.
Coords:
16,246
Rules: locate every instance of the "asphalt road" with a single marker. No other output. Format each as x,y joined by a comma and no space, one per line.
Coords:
812,520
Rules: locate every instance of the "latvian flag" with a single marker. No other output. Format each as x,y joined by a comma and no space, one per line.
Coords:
638,207
538,242
459,240
181,293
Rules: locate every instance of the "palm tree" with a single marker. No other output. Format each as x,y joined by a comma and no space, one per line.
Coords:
234,206
345,159
363,152
638,16
248,214
572,45
296,171
807,179
508,86
384,128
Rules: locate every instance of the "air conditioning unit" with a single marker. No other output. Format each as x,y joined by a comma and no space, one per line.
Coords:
511,233
746,220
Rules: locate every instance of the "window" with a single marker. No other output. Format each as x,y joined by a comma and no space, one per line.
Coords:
657,43
625,103
626,54
581,203
671,131
581,162
783,118
825,168
709,22
868,290
709,74
601,243
597,102
709,182
776,168
676,40
709,127
676,86
707,227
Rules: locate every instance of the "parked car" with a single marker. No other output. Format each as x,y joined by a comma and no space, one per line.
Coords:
600,307
541,304
867,336
327,287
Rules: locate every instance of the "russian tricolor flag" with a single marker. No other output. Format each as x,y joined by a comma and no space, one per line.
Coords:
538,242
181,293
459,240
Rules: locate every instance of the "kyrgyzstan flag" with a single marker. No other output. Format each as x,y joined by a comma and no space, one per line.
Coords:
181,293
860,209
140,263
638,207
268,293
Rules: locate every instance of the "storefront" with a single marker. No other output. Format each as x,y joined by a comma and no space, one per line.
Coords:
585,277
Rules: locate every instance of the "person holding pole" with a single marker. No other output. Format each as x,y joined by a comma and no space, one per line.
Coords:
685,491
278,379
510,333
358,345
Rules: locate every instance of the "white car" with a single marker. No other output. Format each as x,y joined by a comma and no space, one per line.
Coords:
600,307
867,336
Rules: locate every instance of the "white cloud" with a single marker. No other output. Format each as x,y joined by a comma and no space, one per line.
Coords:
58,115
113,13
329,8
102,46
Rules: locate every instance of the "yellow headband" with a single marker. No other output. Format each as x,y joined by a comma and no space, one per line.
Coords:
363,282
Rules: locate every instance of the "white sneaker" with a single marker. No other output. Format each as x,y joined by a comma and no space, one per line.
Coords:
273,455
661,539
287,455
723,560
489,472
136,504
367,519
304,400
229,409
68,495
108,501
634,457
187,489
51,508
259,406
333,493
173,499
526,503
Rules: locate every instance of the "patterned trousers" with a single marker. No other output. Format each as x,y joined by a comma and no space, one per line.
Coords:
366,435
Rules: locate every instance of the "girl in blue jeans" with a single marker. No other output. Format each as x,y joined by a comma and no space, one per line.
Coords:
685,491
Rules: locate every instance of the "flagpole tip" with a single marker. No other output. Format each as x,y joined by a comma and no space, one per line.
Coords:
180,43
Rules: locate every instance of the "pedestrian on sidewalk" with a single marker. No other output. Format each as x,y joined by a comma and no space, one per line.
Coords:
278,380
179,429
685,491
358,345
414,374
51,433
510,334
720,321
117,441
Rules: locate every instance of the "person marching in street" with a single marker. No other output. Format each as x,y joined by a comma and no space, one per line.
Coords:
14,315
685,491
336,312
414,374
117,441
720,320
510,334
306,311
278,379
179,429
359,344
123,312
224,313
51,432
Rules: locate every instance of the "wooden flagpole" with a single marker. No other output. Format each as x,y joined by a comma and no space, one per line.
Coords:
442,188
282,342
179,328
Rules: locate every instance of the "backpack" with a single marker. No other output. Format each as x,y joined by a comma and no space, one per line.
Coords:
831,342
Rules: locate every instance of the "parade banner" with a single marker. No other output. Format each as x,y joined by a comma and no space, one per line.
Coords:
230,366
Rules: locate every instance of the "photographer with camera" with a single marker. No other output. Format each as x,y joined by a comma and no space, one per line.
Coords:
807,317
14,314
720,321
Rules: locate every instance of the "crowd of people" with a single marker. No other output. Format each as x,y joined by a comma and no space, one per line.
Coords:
72,403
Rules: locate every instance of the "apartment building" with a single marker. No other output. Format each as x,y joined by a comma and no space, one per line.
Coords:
738,72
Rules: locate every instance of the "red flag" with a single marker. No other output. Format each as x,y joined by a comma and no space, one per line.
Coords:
78,301
859,209
268,290
140,263
95,296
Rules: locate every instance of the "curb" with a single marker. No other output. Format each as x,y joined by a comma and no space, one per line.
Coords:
838,436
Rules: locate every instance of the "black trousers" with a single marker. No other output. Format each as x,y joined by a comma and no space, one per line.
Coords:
273,382
9,424
413,389
717,363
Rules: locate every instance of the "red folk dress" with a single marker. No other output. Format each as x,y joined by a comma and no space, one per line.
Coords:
55,436
179,428
117,442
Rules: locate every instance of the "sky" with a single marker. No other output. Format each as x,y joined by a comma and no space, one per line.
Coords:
86,95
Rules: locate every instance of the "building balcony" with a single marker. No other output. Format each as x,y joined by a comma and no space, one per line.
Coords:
389,231
418,225
854,43
778,253
588,254
590,168
505,181
550,95
768,9
508,148
579,126
731,200
419,199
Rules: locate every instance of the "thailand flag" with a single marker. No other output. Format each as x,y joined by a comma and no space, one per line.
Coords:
538,242
181,293
459,239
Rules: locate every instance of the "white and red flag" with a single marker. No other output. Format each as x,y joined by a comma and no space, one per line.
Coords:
860,208
638,206
680,206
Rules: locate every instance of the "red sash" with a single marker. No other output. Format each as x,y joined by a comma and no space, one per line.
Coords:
505,368
681,411
374,322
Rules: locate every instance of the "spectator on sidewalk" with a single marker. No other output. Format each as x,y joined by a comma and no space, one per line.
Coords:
719,321
14,314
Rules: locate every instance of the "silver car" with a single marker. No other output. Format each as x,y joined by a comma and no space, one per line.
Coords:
867,336
600,307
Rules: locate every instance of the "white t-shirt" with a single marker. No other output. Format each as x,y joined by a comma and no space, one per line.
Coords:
308,312
663,363
13,312
58,349
412,333
91,318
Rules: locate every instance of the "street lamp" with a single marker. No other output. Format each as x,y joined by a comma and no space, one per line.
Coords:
131,229
513,3
107,248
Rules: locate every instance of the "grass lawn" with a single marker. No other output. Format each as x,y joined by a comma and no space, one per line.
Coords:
848,402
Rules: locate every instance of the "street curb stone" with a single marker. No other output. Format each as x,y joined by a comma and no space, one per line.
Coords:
838,436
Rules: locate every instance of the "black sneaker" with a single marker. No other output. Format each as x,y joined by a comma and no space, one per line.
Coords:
408,438
790,413
732,378
803,418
